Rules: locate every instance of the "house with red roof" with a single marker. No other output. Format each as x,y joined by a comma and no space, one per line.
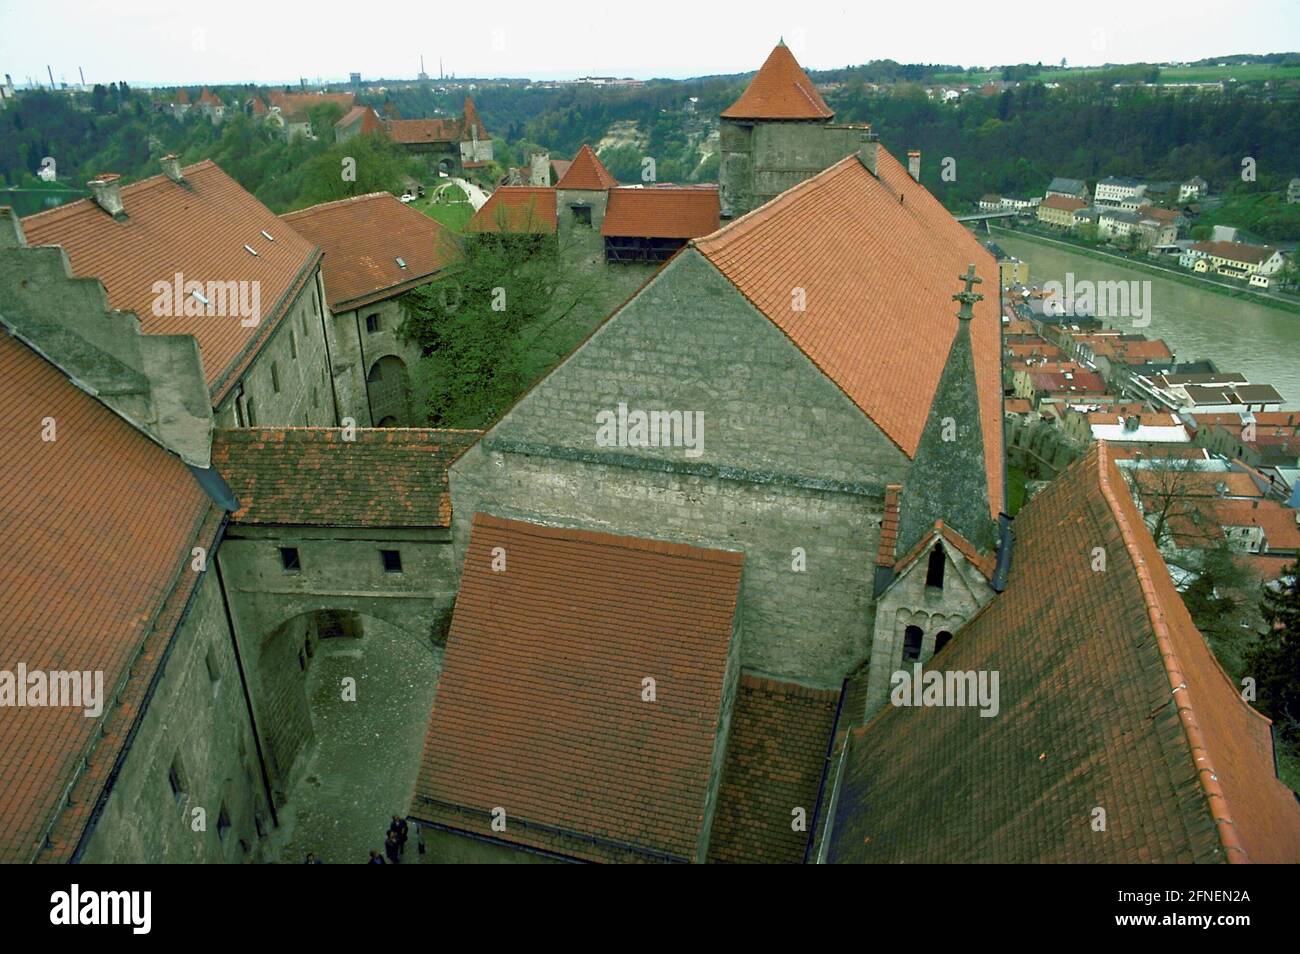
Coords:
460,142
376,249
190,252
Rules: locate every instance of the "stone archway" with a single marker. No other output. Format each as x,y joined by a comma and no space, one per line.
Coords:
389,388
345,702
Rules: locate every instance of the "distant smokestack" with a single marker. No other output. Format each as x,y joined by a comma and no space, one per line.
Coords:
108,193
868,151
83,75
914,164
171,165
50,70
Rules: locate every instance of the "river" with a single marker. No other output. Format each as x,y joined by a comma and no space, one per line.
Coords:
1262,343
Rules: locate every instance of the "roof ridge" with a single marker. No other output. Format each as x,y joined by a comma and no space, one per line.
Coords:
687,551
1217,801
333,202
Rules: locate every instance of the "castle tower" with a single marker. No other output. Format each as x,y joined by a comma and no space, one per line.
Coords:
778,133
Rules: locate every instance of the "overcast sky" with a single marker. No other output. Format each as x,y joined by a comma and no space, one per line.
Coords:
152,42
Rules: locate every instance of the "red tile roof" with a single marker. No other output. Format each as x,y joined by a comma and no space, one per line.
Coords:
365,115
471,124
198,230
411,131
1236,251
779,90
1281,530
586,171
517,209
1109,697
539,707
878,276
363,237
313,476
776,754
98,526
1062,203
295,105
661,213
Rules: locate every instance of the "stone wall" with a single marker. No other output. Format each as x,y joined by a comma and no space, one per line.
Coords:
295,357
760,160
1040,449
787,462
279,614
197,723
356,350
910,602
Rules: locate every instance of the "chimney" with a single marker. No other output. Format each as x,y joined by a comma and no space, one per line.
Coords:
108,193
1132,422
868,151
171,165
914,164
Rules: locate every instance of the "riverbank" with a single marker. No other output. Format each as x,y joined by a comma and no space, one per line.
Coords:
1242,335
1172,274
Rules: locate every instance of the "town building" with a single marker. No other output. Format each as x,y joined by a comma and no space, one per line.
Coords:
1234,259
456,144
193,255
1067,188
1117,190
1058,210
1193,189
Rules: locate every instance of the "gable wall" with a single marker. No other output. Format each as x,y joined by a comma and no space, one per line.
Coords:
807,468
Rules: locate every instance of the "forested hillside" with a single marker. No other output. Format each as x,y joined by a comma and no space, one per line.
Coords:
1008,141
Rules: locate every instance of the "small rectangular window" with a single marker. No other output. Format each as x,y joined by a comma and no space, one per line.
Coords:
275,377
289,559
252,412
293,344
392,560
214,670
176,779
372,324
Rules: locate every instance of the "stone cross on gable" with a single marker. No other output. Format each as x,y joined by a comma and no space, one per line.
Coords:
968,297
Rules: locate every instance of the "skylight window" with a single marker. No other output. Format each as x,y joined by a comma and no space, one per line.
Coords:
268,236
250,250
199,297
401,262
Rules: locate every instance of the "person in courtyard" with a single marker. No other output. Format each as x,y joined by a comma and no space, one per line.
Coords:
311,859
376,858
399,828
393,848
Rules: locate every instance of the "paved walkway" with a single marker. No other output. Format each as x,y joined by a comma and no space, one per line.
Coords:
363,767
477,197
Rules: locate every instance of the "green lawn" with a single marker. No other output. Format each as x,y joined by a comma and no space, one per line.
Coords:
453,211
1015,490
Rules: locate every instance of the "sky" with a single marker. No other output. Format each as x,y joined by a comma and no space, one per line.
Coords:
149,42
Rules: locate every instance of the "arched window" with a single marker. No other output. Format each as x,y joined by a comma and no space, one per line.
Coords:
941,640
912,644
934,571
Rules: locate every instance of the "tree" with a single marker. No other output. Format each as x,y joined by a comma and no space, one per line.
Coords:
1275,660
363,164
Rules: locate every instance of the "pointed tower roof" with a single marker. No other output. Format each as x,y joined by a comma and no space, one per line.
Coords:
587,172
473,126
948,481
780,90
